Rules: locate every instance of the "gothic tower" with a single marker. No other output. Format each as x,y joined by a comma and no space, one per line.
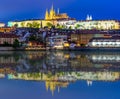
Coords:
52,13
46,15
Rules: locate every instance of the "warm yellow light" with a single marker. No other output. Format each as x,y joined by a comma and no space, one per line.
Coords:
66,44
30,44
67,56
78,44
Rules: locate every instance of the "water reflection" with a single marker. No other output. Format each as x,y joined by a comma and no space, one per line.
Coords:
59,69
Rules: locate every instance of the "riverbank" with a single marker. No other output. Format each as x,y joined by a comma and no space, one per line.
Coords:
94,49
66,49
21,49
6,49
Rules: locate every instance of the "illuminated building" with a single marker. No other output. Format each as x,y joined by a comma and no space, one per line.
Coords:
89,83
2,24
30,23
89,17
9,38
51,18
82,37
7,70
97,24
6,29
52,85
90,24
52,15
105,42
2,75
34,45
62,20
105,58
66,23
57,42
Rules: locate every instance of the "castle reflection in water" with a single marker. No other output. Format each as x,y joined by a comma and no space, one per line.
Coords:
59,69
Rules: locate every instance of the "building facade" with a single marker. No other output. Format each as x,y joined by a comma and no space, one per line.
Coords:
62,20
8,38
6,29
82,37
56,42
51,18
2,24
31,23
52,15
97,24
105,42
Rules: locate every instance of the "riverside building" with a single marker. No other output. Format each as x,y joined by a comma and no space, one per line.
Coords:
105,42
2,24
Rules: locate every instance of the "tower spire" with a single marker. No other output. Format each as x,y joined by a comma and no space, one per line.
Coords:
52,8
90,17
46,14
52,12
58,11
87,18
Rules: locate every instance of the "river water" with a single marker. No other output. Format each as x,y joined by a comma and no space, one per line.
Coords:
59,75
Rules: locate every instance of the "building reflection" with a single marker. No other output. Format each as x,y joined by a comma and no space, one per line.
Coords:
59,69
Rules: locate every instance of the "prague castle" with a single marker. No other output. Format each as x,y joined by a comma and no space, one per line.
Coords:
52,15
63,21
51,18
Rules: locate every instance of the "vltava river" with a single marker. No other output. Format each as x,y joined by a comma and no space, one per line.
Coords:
59,75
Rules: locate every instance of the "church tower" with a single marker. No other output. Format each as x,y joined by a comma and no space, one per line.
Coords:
90,17
46,15
87,18
52,13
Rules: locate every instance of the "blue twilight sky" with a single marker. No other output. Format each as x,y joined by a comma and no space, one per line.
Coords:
32,9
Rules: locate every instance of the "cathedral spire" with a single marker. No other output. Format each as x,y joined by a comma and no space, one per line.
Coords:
47,14
87,18
58,11
90,18
52,8
52,12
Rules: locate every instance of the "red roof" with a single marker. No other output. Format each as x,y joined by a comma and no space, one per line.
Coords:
2,35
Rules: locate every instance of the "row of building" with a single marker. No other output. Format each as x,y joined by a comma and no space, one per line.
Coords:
67,32
62,20
60,39
83,38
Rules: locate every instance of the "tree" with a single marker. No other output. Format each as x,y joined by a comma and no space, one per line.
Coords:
61,26
6,44
33,25
16,43
82,45
58,26
32,38
16,25
36,25
49,25
77,26
29,25
70,27
22,24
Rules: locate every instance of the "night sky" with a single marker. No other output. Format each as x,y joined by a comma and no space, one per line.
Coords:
11,10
